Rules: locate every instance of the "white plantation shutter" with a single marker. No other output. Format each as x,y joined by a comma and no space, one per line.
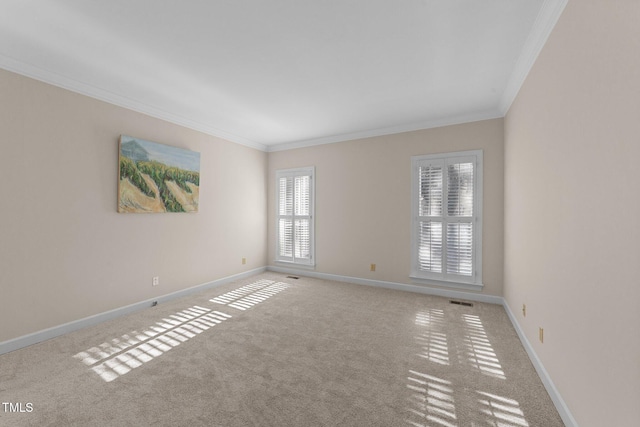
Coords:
460,210
460,189
286,195
295,216
430,246
286,238
430,212
431,190
302,239
460,249
285,212
302,192
447,215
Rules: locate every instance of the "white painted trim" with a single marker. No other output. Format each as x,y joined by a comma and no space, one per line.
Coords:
293,173
446,293
91,91
546,20
293,265
56,331
473,282
82,88
559,403
448,121
446,284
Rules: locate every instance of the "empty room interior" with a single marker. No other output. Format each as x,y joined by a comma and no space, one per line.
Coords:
404,209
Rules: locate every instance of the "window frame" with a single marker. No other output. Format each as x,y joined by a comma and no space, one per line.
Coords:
296,172
473,282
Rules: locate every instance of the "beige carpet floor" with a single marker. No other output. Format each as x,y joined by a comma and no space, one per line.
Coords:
274,351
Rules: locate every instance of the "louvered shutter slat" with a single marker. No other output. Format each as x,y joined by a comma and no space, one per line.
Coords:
460,190
430,191
303,239
286,237
286,196
302,195
460,249
430,246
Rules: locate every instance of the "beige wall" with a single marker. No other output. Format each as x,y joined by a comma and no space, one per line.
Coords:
363,199
572,210
64,251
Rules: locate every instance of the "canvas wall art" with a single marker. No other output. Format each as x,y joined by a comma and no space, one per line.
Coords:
157,178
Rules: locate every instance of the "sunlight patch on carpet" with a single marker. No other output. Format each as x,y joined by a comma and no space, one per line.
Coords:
479,352
432,340
501,411
431,401
250,295
119,356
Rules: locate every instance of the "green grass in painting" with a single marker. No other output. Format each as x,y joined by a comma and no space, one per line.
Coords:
129,170
161,173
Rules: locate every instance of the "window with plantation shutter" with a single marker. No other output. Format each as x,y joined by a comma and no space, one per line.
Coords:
447,218
294,226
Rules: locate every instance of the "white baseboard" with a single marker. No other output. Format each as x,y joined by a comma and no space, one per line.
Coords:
36,337
491,299
56,331
559,403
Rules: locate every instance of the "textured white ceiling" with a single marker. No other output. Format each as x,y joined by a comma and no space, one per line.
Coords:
283,73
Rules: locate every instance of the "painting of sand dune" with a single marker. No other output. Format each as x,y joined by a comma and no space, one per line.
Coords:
157,178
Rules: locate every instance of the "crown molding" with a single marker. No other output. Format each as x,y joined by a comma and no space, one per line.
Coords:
548,16
82,88
546,20
429,124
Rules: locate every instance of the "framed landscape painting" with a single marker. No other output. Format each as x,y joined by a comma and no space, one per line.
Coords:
157,178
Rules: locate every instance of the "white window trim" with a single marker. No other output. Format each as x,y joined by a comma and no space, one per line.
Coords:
442,279
305,171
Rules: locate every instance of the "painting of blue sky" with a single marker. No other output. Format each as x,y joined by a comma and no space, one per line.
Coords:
168,155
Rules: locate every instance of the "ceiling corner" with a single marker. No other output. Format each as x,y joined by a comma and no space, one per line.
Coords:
545,22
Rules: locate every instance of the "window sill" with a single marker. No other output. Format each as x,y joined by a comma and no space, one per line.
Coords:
446,284
290,264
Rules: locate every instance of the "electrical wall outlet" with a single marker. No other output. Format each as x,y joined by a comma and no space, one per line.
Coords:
373,267
524,310
244,261
155,281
